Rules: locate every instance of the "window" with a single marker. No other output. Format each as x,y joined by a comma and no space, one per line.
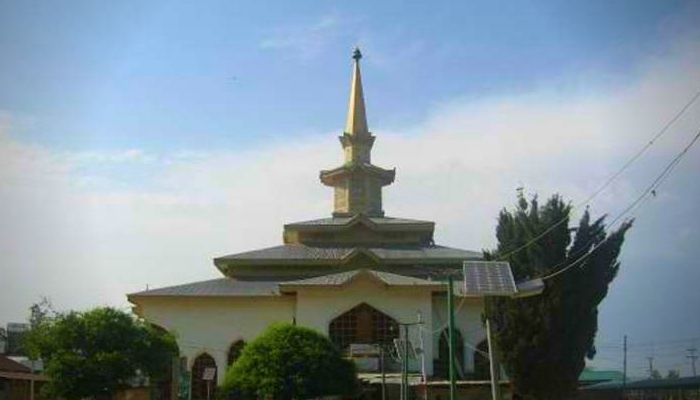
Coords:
362,324
234,352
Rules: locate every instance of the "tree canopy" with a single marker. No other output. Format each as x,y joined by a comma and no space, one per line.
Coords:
544,340
290,362
97,352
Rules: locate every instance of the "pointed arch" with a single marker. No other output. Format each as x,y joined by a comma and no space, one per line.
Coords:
234,351
443,352
199,385
362,324
481,362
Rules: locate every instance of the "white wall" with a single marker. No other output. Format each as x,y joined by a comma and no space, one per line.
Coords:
467,320
211,325
318,306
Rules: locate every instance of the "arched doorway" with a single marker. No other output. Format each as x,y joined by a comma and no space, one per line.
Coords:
199,385
362,324
444,352
234,352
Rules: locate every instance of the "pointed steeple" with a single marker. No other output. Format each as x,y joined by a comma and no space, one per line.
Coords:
356,122
358,184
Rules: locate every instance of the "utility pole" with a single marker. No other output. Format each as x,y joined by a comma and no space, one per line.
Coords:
451,336
624,366
381,364
651,366
493,354
405,362
31,380
693,358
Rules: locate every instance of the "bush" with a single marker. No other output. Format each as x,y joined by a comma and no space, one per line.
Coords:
290,362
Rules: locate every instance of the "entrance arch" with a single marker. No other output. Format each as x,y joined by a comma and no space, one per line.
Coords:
362,324
199,385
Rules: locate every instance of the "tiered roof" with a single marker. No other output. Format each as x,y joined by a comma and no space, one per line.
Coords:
357,237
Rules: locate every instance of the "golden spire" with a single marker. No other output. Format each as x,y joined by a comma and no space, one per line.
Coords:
356,123
358,184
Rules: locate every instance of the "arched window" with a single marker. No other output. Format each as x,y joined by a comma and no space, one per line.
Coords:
444,351
234,352
362,324
199,385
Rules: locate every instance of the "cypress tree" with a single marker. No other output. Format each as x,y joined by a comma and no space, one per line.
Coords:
544,340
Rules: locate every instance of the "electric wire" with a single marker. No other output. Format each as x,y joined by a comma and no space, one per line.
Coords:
649,191
607,182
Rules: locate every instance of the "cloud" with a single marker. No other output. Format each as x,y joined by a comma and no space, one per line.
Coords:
129,155
85,244
304,41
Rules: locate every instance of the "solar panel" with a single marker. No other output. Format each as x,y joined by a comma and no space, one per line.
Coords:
488,278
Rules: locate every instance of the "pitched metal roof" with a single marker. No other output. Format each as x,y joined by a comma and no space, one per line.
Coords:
228,287
299,252
222,287
593,375
343,278
9,365
489,280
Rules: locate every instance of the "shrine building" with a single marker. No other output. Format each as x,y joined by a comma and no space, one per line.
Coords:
354,276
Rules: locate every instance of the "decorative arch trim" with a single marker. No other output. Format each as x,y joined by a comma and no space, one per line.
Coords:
362,324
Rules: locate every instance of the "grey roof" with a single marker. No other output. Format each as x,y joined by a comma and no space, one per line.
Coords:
482,279
222,287
342,278
488,278
291,251
400,252
228,287
338,221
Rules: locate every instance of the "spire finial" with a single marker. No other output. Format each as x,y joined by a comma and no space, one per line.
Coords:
356,123
356,54
358,184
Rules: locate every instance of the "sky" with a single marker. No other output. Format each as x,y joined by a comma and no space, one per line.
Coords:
138,140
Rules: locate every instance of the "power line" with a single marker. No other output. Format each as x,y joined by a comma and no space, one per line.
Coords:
650,190
609,181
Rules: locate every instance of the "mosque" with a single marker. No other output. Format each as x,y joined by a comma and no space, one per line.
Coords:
355,276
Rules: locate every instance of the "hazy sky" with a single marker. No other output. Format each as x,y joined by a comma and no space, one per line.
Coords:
138,140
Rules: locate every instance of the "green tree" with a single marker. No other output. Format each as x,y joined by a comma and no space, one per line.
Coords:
545,339
290,362
673,374
40,312
92,354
